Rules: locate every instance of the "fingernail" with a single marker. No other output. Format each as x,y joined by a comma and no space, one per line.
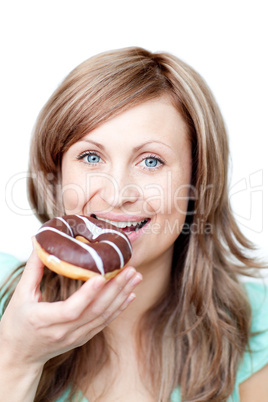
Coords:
131,297
136,280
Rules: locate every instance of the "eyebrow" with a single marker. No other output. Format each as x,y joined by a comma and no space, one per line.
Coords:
93,142
150,142
136,149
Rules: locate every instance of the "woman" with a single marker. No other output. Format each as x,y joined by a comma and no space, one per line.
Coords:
136,138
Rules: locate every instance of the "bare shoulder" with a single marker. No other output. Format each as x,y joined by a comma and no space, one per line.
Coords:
255,388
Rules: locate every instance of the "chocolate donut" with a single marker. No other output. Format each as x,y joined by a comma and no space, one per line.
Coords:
80,247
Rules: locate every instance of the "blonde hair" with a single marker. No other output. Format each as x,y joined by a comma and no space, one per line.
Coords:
196,335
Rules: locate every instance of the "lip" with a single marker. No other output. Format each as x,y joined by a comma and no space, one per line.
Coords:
126,218
121,218
137,233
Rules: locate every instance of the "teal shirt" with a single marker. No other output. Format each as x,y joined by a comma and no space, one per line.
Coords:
251,363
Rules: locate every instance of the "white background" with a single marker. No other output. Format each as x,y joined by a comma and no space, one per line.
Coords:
226,41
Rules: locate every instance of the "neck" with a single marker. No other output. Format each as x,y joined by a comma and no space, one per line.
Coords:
121,334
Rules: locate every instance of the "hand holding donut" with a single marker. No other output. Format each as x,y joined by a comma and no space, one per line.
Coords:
32,331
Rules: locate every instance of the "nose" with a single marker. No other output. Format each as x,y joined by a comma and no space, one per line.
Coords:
119,189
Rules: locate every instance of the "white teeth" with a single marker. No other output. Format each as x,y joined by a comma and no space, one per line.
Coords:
122,224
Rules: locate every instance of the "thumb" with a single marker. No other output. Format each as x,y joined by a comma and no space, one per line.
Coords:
32,275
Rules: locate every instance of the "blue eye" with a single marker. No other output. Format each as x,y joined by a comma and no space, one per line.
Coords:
151,162
92,158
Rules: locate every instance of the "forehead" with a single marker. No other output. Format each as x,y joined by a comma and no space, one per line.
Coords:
154,120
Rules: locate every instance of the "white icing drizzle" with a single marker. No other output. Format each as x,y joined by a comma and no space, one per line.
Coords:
117,249
97,231
90,250
67,224
53,258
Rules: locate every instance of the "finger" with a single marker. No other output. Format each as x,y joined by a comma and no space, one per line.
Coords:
120,289
32,275
125,296
71,308
106,310
108,318
96,292
81,334
96,289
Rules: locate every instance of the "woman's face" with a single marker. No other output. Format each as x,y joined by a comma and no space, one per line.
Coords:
134,171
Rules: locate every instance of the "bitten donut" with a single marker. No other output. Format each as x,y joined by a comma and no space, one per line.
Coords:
80,247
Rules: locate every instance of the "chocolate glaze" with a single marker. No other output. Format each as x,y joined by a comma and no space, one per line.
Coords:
109,247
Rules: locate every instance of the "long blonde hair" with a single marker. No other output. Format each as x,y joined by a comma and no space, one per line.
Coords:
196,335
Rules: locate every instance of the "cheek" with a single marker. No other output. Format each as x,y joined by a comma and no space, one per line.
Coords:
73,191
181,189
180,198
169,196
81,190
73,198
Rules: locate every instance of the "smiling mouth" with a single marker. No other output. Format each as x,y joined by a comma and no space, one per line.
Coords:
127,227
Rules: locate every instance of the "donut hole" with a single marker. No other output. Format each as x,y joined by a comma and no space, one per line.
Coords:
82,239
